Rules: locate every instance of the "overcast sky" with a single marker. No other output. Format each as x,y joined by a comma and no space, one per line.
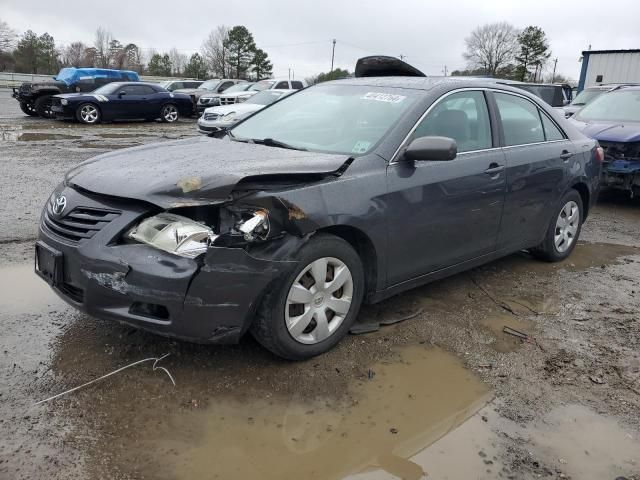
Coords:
297,34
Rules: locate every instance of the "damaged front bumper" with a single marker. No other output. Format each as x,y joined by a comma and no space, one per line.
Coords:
210,299
622,174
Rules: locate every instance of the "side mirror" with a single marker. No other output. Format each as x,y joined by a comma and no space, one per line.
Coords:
121,93
431,148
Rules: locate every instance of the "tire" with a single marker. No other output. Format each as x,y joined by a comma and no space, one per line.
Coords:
169,113
275,325
28,108
562,235
42,106
88,113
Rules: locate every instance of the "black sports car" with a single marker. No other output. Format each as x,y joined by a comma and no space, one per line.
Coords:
123,101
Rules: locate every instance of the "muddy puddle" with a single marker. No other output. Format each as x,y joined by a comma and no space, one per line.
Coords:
22,291
401,407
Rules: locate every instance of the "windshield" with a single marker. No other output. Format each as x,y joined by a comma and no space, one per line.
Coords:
209,85
586,96
330,118
264,98
108,89
166,84
239,87
263,85
617,106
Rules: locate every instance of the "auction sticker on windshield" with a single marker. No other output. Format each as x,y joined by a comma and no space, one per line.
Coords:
383,97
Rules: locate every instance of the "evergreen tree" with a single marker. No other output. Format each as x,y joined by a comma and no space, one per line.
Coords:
196,67
262,67
533,51
241,49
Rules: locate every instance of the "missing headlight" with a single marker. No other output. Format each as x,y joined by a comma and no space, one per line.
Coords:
257,226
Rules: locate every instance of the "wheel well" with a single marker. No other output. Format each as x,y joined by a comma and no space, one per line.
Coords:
583,190
365,249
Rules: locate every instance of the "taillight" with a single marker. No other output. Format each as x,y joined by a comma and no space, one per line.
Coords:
599,154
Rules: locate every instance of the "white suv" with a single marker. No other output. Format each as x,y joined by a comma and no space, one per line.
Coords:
269,84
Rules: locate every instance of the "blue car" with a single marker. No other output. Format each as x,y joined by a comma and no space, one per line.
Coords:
123,101
614,120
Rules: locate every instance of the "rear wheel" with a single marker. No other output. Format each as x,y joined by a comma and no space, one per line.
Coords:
311,309
564,229
88,113
28,108
169,113
43,106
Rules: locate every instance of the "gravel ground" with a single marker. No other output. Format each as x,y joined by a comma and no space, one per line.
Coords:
563,404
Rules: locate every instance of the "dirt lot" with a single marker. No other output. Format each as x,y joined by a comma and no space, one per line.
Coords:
445,394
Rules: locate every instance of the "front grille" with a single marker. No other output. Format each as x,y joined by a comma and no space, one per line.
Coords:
227,100
211,116
79,224
621,151
55,101
25,88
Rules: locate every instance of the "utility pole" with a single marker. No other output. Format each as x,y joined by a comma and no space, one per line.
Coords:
333,54
553,76
401,56
445,71
289,74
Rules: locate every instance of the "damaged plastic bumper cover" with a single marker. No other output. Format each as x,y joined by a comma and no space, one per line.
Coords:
210,299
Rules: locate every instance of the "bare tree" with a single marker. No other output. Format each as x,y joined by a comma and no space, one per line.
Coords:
102,45
74,55
178,61
491,46
8,37
215,52
133,57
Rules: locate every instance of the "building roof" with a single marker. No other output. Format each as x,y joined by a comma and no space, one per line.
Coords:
595,52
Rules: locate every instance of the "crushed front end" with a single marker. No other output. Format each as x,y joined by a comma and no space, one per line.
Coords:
102,255
621,168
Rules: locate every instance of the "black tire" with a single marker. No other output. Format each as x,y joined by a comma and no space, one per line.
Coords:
28,108
169,113
548,250
42,106
88,113
269,326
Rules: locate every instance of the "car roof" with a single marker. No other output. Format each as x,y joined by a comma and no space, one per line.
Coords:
419,83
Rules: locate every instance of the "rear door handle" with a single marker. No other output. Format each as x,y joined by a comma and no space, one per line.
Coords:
566,155
494,169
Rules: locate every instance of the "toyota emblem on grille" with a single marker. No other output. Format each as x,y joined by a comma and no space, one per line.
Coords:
59,204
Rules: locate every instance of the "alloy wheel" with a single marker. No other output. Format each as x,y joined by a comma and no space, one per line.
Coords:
567,226
170,113
89,114
319,300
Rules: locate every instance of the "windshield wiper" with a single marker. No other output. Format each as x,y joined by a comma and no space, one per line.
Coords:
270,142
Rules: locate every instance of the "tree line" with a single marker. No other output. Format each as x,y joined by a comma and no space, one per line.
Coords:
225,53
501,50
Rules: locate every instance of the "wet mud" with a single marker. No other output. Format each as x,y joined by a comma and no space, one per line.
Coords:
406,401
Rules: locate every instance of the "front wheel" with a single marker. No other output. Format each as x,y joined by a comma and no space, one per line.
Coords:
309,311
43,106
28,108
169,113
88,113
564,229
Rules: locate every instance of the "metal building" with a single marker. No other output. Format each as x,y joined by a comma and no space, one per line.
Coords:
609,66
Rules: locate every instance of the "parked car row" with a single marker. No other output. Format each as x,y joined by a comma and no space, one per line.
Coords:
92,95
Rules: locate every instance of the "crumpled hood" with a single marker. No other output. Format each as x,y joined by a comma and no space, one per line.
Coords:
609,131
195,171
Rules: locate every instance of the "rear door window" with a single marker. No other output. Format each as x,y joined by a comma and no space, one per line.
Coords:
296,84
521,122
462,116
284,85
